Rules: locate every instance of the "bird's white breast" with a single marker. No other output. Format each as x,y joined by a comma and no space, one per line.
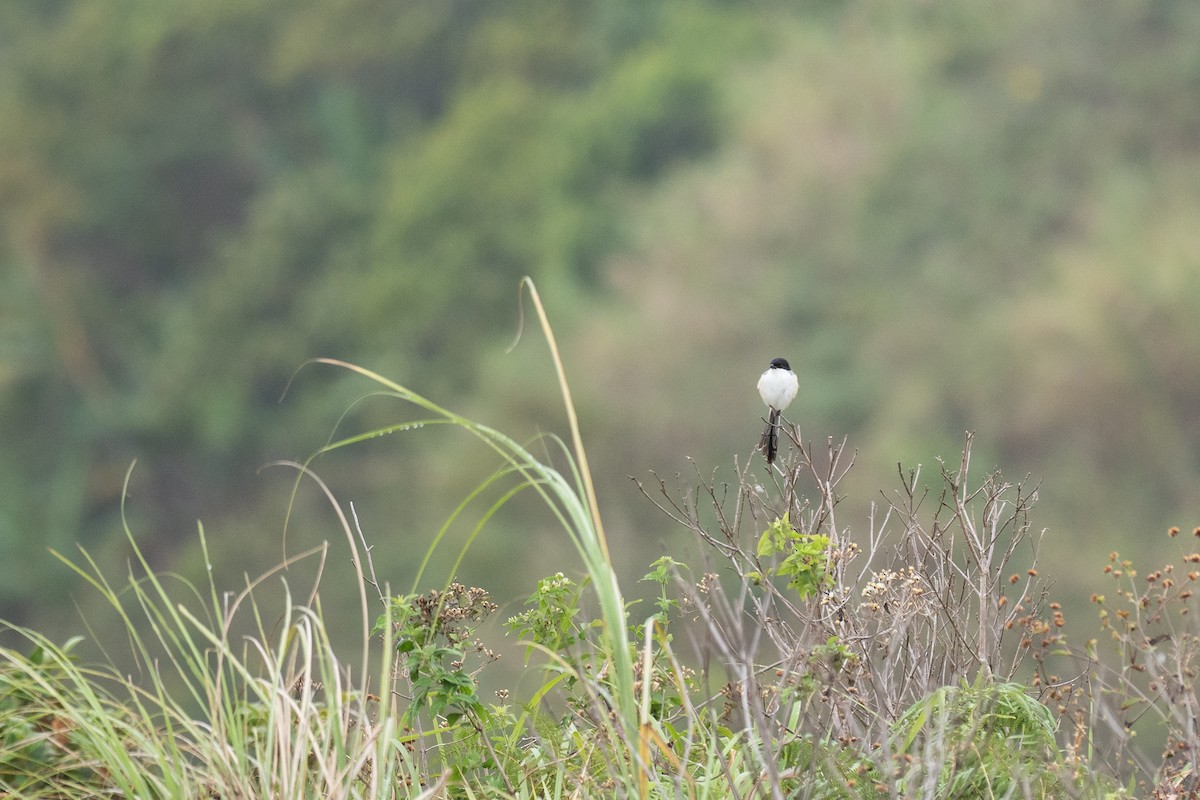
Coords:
778,387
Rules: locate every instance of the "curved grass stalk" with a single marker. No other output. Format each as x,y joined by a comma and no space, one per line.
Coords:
573,503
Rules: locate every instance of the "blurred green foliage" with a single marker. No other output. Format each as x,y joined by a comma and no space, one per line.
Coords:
948,216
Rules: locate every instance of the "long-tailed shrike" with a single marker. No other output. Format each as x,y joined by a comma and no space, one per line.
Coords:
777,387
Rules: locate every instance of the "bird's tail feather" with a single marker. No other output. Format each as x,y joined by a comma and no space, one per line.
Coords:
769,443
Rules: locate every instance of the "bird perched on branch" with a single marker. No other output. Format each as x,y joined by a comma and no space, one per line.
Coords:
777,387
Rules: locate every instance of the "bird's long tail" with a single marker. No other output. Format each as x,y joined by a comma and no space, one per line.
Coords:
769,443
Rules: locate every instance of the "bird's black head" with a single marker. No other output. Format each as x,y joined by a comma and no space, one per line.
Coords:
780,363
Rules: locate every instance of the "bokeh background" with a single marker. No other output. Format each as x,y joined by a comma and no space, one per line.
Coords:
948,216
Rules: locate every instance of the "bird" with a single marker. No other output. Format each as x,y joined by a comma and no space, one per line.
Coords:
777,387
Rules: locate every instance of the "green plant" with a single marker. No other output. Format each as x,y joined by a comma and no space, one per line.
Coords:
978,740
38,700
803,558
432,635
662,573
552,621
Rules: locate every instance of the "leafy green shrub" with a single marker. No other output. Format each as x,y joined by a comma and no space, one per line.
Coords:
803,557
